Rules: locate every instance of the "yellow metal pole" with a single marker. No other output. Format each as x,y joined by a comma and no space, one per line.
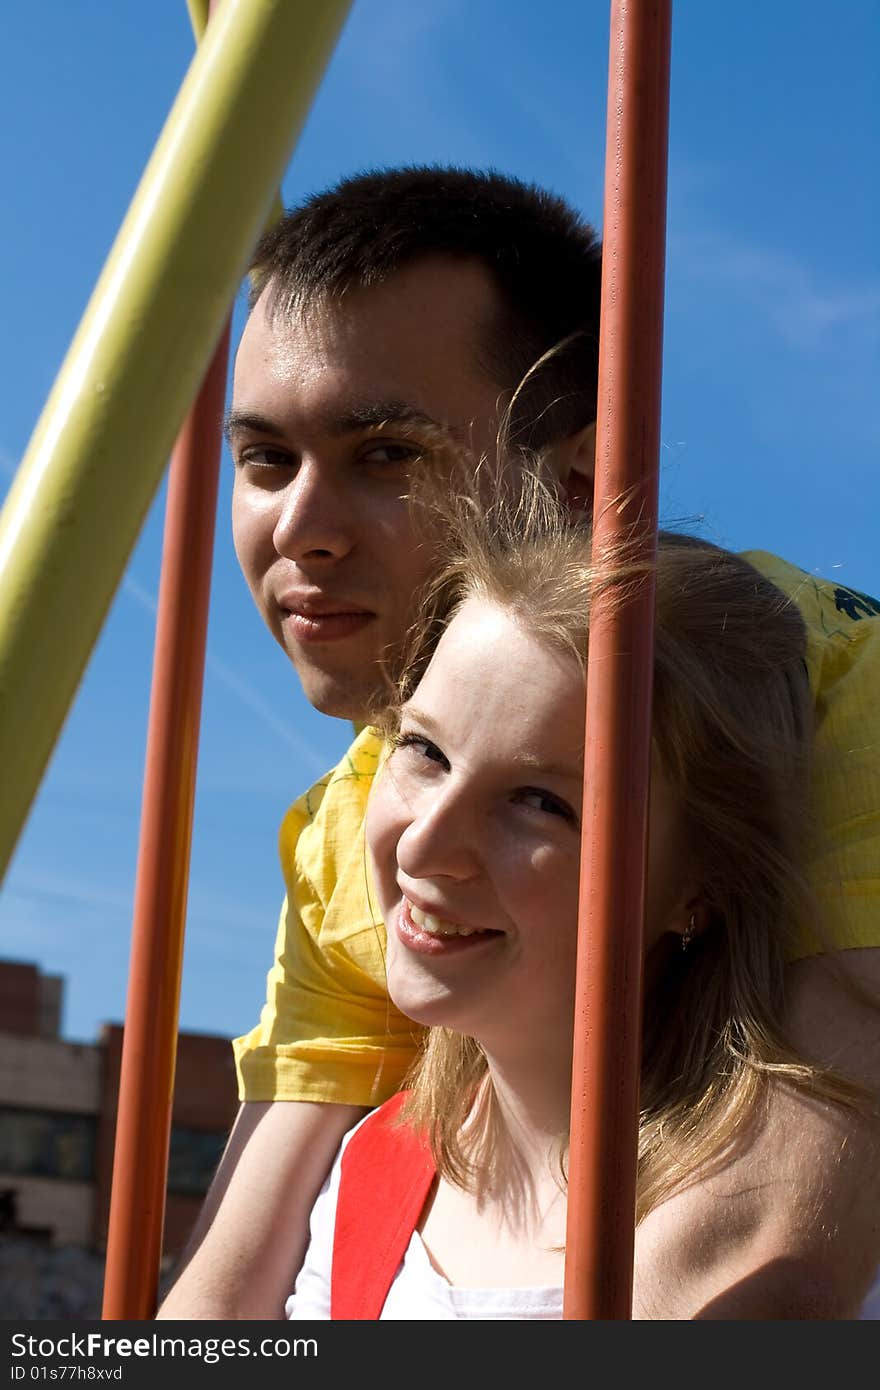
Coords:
99,449
199,11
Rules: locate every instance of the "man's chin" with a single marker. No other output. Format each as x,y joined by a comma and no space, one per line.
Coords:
354,700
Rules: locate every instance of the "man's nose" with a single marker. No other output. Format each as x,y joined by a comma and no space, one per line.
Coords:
316,521
441,840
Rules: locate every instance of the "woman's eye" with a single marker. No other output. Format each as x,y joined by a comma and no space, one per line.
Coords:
547,803
421,747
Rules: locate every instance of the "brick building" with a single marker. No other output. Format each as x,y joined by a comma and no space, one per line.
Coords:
58,1119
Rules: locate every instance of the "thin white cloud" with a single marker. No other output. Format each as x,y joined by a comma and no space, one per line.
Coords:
233,682
398,34
813,313
44,914
142,596
30,895
242,689
802,306
27,890
254,701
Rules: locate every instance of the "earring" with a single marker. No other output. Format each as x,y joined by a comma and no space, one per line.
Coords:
687,935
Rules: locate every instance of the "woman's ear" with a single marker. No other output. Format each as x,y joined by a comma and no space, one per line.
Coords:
574,463
691,921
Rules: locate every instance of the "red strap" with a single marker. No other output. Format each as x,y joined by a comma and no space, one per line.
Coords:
387,1172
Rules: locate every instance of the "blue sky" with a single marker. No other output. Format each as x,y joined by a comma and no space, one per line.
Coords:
770,417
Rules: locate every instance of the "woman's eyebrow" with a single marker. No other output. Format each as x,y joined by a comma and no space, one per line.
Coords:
540,768
420,717
532,763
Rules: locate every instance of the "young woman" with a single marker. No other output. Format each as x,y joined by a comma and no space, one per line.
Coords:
449,1202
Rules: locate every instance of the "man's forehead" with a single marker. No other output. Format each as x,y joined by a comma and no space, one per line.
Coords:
455,297
390,365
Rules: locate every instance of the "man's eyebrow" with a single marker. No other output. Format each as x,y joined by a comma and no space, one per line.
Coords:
368,415
246,420
374,413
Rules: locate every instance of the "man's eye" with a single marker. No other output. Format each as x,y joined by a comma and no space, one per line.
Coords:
421,747
387,454
264,456
547,803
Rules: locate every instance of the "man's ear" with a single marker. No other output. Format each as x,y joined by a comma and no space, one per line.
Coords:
574,463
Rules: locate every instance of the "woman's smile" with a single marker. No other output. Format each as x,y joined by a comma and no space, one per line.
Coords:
428,934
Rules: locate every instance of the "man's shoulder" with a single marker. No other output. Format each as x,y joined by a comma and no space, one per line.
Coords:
336,803
353,775
829,608
843,637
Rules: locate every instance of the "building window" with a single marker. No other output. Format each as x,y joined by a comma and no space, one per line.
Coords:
193,1159
47,1144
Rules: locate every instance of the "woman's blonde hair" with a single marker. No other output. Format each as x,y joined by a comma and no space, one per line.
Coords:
732,726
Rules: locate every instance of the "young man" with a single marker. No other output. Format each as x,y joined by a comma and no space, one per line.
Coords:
384,308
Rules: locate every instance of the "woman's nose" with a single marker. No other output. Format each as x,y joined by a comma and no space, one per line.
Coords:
440,841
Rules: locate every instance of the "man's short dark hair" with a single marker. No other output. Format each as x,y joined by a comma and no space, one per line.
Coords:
544,258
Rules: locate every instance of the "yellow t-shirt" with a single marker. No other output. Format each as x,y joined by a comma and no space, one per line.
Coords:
843,661
328,1030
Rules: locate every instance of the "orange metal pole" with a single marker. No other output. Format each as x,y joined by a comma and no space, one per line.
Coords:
146,1088
607,1050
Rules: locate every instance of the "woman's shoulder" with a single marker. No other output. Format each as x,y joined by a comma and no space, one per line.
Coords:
764,1234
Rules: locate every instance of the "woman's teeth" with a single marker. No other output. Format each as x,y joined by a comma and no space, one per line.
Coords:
438,926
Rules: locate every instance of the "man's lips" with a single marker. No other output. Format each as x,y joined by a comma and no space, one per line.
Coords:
324,627
322,620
